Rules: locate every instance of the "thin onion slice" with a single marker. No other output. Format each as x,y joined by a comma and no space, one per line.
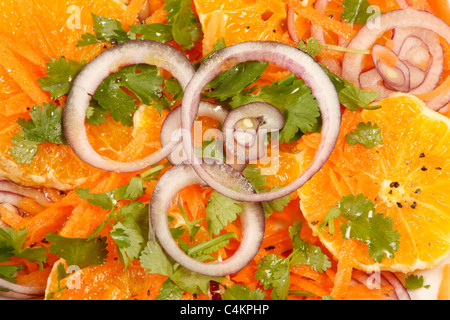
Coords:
247,142
18,291
286,57
14,189
86,83
252,219
352,64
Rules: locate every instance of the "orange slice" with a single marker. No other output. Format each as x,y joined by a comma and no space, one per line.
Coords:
407,178
239,21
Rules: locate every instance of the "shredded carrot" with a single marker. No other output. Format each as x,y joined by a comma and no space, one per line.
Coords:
444,288
31,206
444,88
441,9
18,72
344,271
158,16
131,15
15,105
11,218
325,22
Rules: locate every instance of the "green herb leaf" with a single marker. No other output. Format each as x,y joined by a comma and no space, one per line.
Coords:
363,224
143,80
156,32
352,97
231,82
358,11
59,76
169,291
45,125
253,174
130,233
413,282
367,134
294,99
186,29
155,260
12,244
305,253
273,272
242,292
220,211
106,30
311,46
79,251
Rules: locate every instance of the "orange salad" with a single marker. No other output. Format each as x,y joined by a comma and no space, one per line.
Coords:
373,223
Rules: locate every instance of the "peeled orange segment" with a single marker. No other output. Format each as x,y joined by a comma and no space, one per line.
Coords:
239,21
32,31
407,177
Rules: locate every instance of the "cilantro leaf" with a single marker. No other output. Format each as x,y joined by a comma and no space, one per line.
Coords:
155,260
358,11
305,253
352,97
294,99
8,273
311,46
242,292
45,125
107,200
273,272
130,233
106,30
192,226
12,243
253,174
186,29
232,81
221,210
60,74
363,224
79,251
367,134
143,80
413,282
156,32
22,150
169,291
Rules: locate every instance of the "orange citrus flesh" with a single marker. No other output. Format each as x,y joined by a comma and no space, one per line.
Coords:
407,178
46,30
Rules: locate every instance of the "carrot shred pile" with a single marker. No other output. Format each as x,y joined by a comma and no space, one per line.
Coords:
71,216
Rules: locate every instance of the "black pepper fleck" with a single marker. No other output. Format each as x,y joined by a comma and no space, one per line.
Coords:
394,184
424,168
422,155
438,168
269,248
399,205
414,205
417,191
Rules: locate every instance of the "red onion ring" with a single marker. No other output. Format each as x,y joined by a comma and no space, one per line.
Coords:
397,77
87,82
270,119
14,189
399,288
171,128
18,291
252,219
406,18
286,57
